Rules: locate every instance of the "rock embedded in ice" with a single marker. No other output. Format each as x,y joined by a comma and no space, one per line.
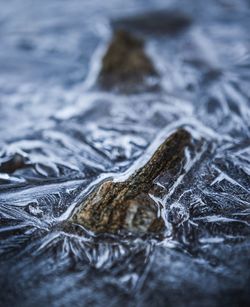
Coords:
117,206
125,66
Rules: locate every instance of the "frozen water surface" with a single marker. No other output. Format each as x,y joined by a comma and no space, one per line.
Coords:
69,134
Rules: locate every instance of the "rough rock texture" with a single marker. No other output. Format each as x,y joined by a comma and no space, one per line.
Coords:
125,64
117,206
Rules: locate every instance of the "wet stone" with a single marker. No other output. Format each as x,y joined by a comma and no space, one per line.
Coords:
125,66
115,207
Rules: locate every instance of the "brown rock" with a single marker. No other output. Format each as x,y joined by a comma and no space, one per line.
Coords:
13,164
126,206
125,64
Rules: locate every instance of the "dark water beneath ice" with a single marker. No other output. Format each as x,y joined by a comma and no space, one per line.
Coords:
70,134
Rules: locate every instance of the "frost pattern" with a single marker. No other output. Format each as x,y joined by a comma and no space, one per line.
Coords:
69,136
